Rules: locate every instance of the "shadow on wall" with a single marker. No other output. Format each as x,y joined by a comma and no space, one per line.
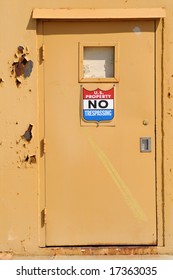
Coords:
32,23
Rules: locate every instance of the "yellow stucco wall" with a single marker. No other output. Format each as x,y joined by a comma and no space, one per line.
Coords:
19,173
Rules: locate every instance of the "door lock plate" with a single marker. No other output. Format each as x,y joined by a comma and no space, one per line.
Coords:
145,144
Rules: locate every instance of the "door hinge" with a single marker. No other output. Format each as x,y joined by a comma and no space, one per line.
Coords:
43,53
44,146
43,217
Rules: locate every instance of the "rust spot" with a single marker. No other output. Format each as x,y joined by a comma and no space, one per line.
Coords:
1,81
19,67
28,69
27,158
169,114
18,82
169,95
20,49
28,133
23,67
112,250
33,159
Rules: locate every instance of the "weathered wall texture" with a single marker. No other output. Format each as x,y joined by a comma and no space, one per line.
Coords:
19,145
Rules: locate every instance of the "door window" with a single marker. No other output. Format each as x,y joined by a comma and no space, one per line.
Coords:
98,62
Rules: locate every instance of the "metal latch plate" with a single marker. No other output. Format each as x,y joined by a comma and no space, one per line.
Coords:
145,144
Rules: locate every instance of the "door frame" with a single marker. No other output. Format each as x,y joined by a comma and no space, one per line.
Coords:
159,126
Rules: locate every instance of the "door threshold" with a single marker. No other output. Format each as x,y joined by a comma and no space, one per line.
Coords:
105,250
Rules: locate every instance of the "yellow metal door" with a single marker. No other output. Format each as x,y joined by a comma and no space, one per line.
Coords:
99,179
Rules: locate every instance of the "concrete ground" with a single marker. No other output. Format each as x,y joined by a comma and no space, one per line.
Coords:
9,256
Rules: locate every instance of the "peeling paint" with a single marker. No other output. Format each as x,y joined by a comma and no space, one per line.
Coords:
31,159
1,81
169,95
27,158
26,154
18,82
22,66
20,49
28,133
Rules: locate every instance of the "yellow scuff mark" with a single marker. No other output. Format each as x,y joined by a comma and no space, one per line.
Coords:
127,195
